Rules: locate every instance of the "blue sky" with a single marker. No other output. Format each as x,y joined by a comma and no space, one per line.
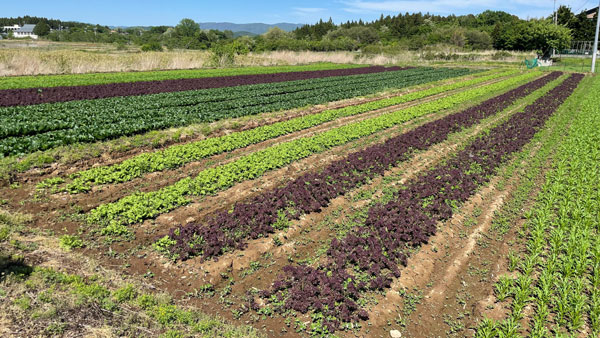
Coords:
161,12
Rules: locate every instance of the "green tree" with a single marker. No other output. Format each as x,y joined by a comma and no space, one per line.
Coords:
564,16
492,18
545,36
538,35
223,54
41,29
583,28
478,40
275,33
187,28
361,34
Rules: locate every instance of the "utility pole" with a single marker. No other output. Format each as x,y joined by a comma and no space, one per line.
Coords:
596,39
555,23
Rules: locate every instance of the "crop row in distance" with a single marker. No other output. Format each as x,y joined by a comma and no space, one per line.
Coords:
367,258
558,274
31,96
47,126
52,125
46,81
132,104
310,192
49,117
140,206
179,155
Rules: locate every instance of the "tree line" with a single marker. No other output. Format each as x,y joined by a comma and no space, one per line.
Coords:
413,31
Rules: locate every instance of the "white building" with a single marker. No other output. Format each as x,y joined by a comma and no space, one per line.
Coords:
10,28
25,32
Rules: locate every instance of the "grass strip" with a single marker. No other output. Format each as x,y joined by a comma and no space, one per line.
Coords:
46,81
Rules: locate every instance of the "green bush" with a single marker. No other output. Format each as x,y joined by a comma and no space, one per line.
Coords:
224,54
501,55
4,233
152,47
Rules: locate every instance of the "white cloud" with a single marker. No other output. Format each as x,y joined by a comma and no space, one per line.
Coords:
437,6
309,10
310,14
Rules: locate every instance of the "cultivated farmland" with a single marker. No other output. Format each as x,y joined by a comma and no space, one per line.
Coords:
291,201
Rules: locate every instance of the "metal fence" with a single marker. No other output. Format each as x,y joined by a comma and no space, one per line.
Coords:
578,48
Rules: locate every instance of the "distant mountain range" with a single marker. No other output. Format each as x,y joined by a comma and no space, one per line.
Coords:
254,28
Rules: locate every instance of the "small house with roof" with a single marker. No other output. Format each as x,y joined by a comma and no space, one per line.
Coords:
591,13
25,32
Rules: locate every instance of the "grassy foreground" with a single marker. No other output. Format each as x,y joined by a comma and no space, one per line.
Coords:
39,297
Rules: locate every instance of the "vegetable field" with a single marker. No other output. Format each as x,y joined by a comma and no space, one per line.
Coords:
321,200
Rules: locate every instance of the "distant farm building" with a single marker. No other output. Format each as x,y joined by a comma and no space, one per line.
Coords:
25,32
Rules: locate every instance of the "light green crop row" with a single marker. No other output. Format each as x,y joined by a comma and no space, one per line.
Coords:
555,287
16,82
139,206
179,155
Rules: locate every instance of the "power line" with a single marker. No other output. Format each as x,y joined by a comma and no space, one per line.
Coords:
580,8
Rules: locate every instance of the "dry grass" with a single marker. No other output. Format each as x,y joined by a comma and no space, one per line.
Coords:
402,57
34,58
293,58
45,57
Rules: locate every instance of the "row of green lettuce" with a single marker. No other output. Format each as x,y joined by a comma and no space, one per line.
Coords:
140,206
41,127
44,81
179,155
